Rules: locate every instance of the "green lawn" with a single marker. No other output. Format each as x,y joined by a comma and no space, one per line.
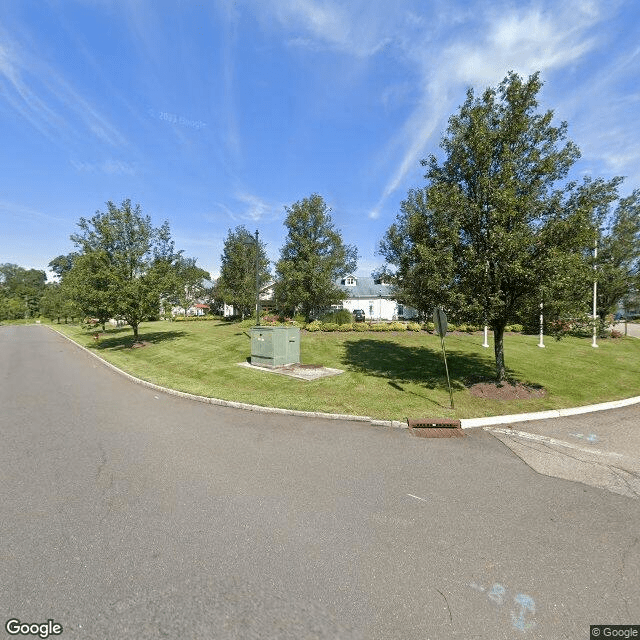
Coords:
387,375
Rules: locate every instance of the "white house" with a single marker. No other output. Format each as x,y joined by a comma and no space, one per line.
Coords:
266,301
374,298
199,307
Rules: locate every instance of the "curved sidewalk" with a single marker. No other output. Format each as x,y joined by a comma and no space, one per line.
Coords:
466,423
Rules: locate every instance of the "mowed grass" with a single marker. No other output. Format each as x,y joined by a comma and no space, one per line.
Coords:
387,376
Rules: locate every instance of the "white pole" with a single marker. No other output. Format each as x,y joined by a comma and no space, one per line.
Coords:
595,293
541,343
485,344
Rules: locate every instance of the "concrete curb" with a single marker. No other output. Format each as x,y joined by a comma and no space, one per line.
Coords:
470,423
232,404
465,423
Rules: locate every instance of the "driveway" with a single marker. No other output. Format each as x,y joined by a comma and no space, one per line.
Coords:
601,449
632,329
132,514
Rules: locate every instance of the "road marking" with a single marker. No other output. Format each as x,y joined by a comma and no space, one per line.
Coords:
553,441
417,497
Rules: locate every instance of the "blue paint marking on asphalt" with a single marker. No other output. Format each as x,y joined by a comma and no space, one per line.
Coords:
592,437
526,604
524,610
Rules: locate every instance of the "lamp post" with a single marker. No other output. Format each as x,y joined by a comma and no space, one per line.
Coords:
254,241
485,344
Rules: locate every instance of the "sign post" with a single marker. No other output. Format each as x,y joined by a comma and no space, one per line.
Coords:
440,321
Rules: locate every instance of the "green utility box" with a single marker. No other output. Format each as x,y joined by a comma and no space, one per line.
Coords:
275,346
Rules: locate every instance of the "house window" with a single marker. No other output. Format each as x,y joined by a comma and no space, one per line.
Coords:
350,282
400,311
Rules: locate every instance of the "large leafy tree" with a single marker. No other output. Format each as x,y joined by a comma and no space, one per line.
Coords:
124,266
497,226
61,265
237,282
20,291
618,261
89,285
313,257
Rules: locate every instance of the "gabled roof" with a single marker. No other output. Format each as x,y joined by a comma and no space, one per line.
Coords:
365,287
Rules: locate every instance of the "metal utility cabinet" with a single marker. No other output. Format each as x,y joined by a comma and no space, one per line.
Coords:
275,346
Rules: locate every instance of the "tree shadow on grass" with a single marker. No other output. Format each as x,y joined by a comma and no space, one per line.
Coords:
127,340
421,365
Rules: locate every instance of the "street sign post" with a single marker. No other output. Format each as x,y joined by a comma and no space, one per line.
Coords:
440,321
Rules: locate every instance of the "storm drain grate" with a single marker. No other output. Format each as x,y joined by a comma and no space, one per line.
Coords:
435,427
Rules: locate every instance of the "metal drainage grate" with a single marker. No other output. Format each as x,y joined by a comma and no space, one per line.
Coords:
435,427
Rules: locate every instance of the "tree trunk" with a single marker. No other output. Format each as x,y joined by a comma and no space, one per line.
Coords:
135,331
498,342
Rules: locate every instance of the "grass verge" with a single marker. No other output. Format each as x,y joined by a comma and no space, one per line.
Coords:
387,376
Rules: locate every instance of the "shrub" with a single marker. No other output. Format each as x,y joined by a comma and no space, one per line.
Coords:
517,328
414,326
329,326
313,326
342,316
397,326
360,326
429,326
345,327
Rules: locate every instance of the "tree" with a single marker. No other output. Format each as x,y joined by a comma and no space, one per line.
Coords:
312,259
124,266
497,227
61,265
189,282
237,282
21,290
89,286
52,301
618,261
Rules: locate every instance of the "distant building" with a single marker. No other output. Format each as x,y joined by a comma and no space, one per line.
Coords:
267,303
199,307
374,297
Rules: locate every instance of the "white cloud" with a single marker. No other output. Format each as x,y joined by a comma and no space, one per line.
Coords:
22,213
522,40
352,28
46,100
109,166
252,208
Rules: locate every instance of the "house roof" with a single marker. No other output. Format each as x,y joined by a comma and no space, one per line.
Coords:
364,288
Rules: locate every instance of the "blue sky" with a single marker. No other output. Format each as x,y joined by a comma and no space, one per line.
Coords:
212,114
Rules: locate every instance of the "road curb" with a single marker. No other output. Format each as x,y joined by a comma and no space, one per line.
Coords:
230,403
470,423
465,423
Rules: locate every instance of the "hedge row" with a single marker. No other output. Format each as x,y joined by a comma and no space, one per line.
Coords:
397,326
318,325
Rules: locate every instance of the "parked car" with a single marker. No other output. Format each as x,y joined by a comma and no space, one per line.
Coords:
358,315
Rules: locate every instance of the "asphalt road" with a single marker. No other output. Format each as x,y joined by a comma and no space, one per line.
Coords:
132,514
